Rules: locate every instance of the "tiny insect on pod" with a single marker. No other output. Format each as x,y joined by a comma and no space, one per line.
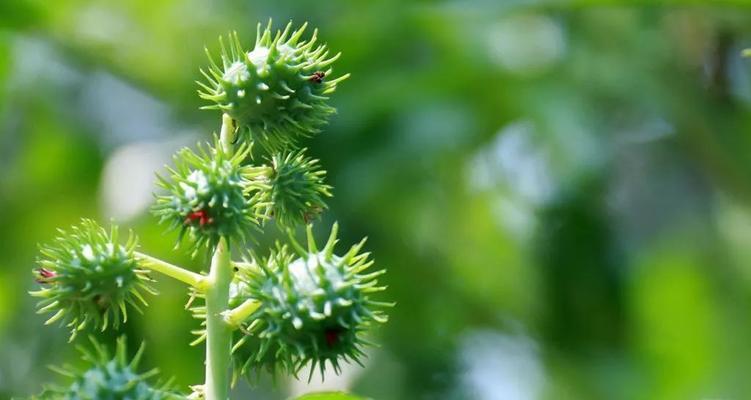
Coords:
109,377
314,307
275,92
88,278
209,195
318,76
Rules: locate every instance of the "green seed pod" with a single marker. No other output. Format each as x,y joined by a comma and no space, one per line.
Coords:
87,278
296,190
276,92
209,196
313,308
109,378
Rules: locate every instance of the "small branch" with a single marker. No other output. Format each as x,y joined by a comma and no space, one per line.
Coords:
198,281
226,133
237,315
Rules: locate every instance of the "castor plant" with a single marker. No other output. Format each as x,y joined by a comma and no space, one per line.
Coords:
304,302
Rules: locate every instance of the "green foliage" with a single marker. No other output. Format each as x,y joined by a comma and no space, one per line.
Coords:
330,396
277,92
296,189
313,308
209,196
109,378
88,277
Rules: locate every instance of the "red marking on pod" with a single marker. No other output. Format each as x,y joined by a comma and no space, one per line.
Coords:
332,336
44,275
201,216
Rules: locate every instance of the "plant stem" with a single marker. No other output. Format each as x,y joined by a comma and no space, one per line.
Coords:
218,333
237,315
198,281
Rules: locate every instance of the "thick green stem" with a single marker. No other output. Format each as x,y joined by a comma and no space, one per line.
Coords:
198,281
218,333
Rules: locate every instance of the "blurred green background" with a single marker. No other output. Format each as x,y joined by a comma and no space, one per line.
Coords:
560,190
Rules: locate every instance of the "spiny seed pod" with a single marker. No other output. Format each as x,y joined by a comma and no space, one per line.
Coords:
276,92
87,278
109,378
313,308
296,190
209,196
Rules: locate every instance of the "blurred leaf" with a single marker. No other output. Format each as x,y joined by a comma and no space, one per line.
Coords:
17,14
329,396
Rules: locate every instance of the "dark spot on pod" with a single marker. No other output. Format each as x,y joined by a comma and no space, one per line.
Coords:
332,336
318,77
